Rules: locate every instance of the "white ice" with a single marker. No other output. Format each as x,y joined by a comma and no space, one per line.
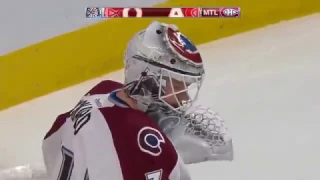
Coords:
265,83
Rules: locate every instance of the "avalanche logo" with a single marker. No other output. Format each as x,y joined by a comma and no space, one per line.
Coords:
183,47
150,140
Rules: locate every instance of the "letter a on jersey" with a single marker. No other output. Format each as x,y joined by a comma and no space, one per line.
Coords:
150,140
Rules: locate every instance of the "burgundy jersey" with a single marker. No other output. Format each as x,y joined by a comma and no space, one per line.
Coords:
102,138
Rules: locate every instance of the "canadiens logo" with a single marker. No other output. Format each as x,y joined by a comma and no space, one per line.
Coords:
230,12
183,47
150,140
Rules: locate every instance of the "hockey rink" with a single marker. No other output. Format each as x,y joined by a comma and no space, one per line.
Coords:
265,83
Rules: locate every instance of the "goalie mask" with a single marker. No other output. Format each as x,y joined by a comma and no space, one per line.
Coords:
163,67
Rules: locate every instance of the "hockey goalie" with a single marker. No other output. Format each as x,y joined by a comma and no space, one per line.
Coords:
145,128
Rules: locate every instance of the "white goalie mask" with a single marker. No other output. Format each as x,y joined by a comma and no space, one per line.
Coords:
164,67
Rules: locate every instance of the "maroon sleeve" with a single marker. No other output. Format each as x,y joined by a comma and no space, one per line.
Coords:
142,148
60,120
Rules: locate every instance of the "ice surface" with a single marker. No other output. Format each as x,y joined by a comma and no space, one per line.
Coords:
266,85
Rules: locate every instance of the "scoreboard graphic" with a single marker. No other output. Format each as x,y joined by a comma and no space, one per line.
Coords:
183,12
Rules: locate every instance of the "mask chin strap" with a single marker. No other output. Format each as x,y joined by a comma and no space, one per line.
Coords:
142,105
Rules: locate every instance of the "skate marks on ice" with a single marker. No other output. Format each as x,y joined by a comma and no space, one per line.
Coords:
25,172
265,83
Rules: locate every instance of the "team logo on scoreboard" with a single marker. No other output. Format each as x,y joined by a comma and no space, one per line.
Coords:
113,12
150,140
93,12
183,47
230,12
194,12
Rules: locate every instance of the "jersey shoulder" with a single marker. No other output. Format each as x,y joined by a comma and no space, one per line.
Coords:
94,98
59,121
141,146
98,96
